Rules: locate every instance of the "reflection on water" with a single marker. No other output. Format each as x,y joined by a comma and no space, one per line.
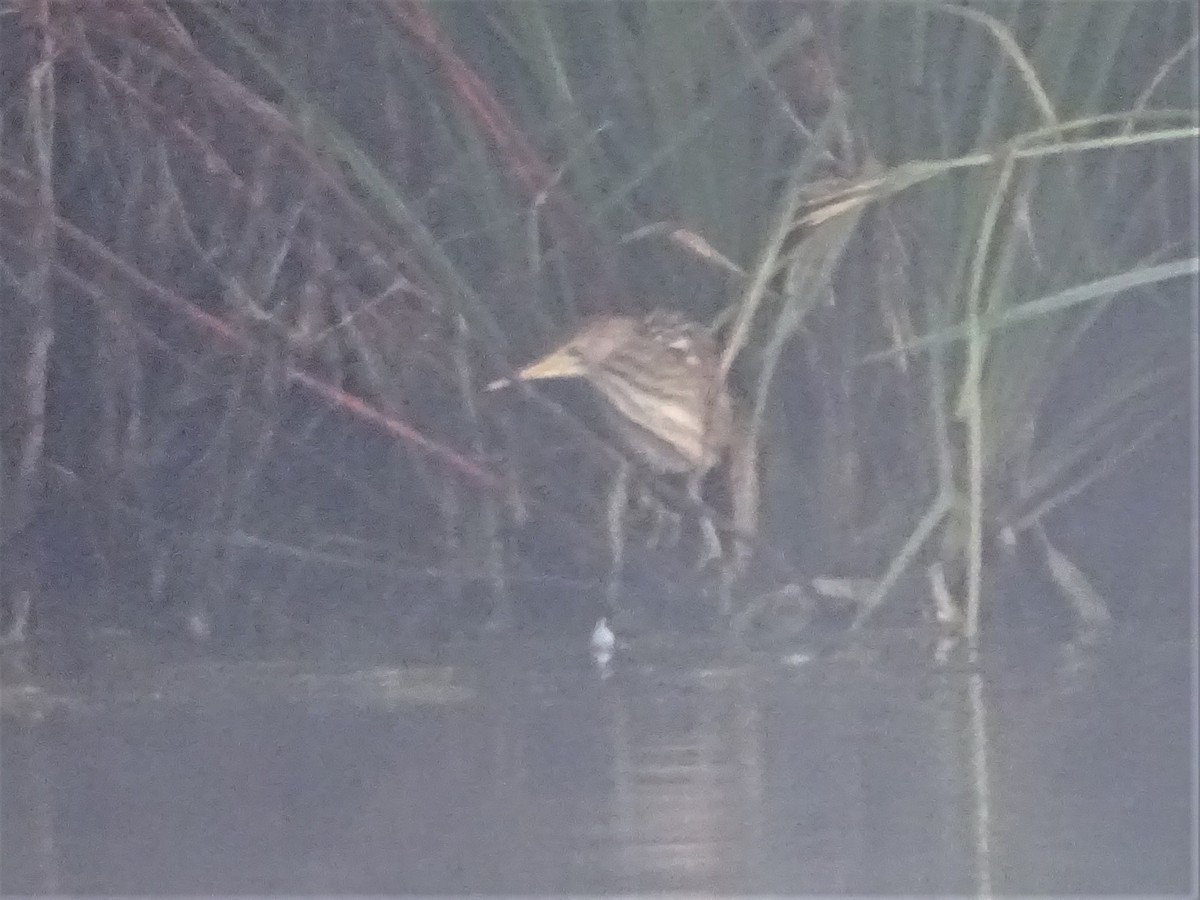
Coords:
522,768
684,807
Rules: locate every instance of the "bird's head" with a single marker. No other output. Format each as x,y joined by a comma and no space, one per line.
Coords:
594,343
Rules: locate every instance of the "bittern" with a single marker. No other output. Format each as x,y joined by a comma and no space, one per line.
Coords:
661,377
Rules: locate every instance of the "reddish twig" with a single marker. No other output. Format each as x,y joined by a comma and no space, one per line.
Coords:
215,325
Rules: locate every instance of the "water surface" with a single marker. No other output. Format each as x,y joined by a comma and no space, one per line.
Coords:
523,767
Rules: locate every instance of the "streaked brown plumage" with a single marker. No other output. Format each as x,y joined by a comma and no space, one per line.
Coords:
660,375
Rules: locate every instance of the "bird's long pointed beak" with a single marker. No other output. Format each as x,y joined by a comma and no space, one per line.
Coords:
560,363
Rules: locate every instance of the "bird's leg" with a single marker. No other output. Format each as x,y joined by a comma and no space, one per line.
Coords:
712,541
714,551
665,524
743,478
618,499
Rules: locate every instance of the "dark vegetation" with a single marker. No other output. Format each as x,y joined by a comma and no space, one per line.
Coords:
257,261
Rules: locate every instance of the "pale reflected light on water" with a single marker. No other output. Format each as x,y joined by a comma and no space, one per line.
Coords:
522,768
